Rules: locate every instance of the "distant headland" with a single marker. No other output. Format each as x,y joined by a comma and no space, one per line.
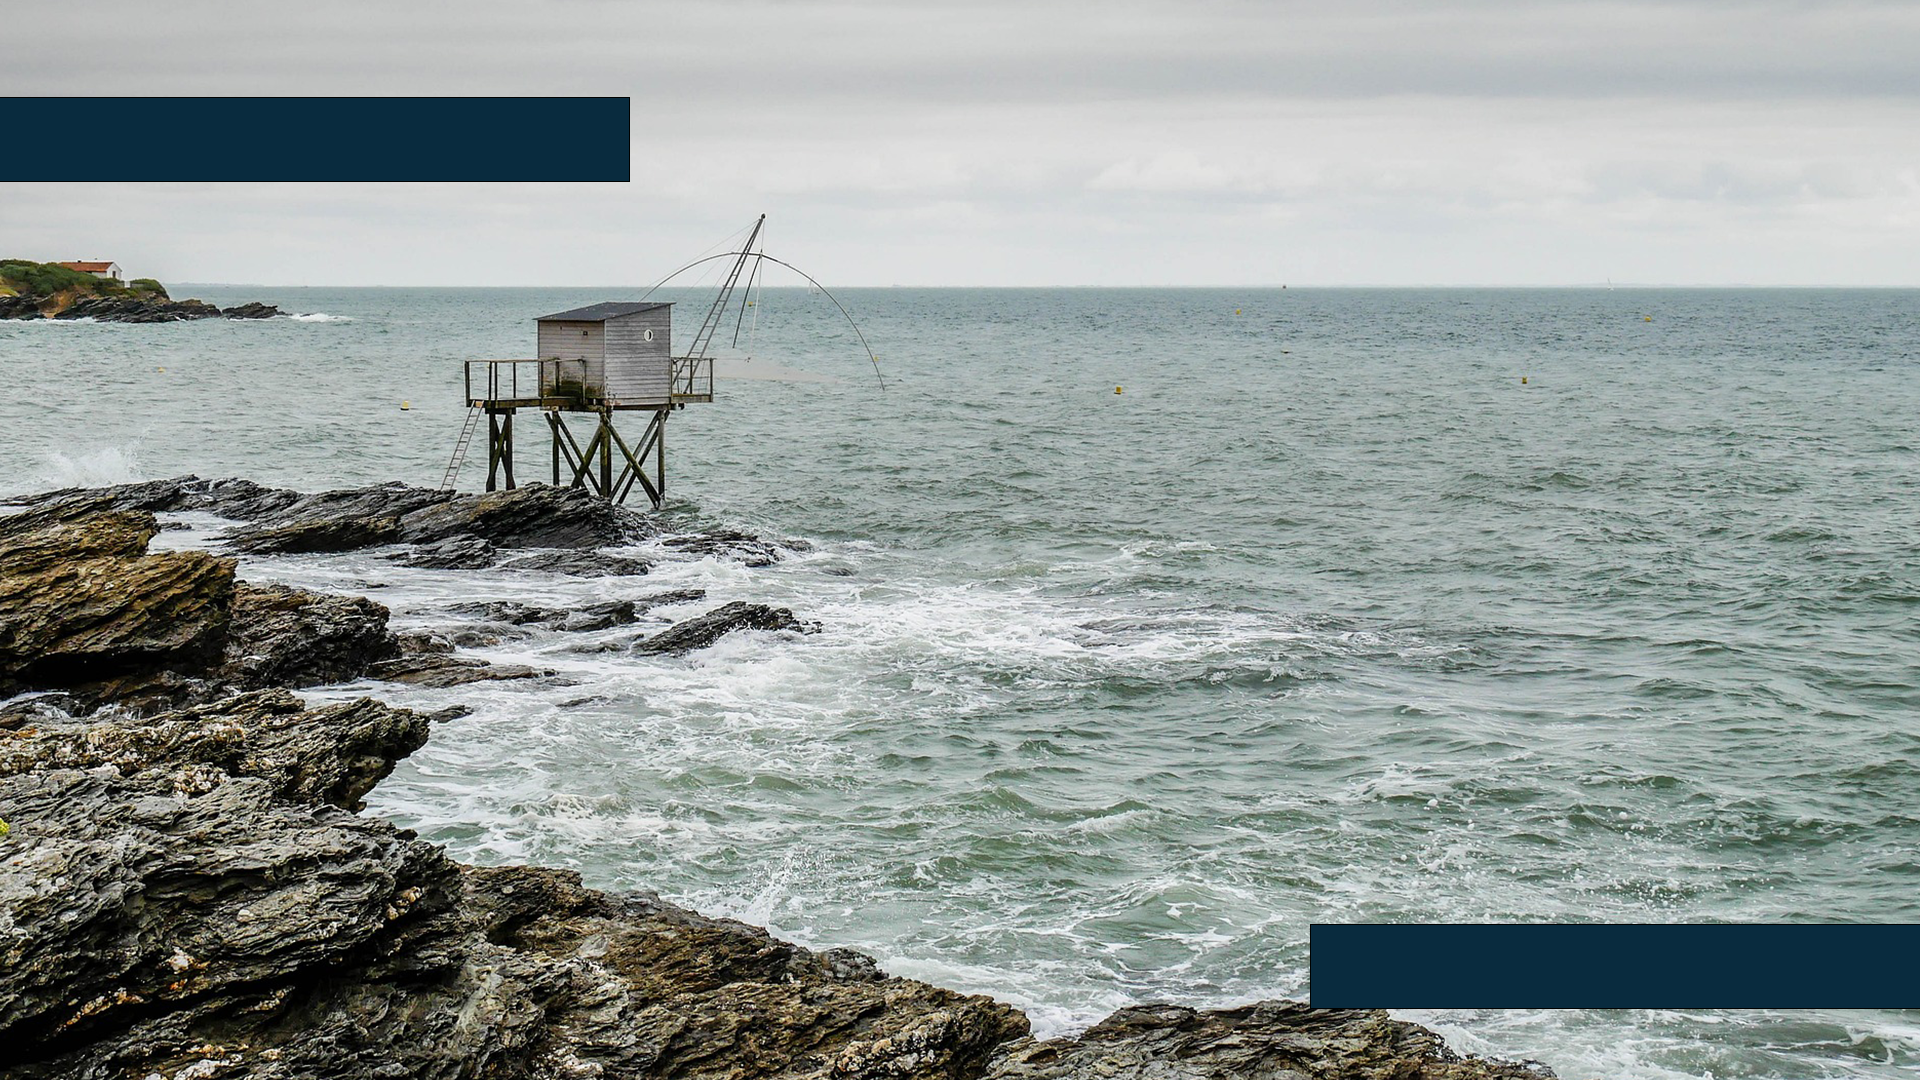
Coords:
97,290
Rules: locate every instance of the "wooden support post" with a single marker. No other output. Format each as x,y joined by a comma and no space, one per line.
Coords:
583,463
499,448
506,446
606,453
636,462
493,447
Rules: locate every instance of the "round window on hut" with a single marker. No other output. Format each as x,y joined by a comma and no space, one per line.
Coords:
647,336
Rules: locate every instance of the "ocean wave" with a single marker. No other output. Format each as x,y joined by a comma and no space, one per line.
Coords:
96,468
320,316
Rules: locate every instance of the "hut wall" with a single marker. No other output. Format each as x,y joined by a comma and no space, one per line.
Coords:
567,341
638,369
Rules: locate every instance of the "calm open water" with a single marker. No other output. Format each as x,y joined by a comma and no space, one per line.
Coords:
1327,617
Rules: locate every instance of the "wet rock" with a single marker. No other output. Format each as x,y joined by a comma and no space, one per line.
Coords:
744,548
536,516
454,553
334,754
428,669
241,500
253,309
703,630
591,617
183,894
80,602
326,534
580,564
1279,1039
84,609
668,598
137,309
424,643
283,636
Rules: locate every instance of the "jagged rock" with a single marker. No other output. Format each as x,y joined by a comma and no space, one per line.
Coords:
1277,1039
241,500
457,527
20,306
439,670
137,309
82,608
253,309
182,895
283,636
650,601
334,754
424,643
326,534
532,516
81,604
591,617
703,630
454,553
580,564
535,516
744,548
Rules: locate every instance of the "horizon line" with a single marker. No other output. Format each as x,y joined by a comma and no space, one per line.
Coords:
1286,286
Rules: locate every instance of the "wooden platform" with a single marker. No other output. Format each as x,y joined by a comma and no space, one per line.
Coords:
560,385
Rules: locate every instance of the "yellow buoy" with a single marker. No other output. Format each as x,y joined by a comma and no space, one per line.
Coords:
1649,318
1236,311
1523,380
406,405
1116,390
161,370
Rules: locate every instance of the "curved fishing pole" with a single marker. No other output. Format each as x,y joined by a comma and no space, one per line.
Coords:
778,262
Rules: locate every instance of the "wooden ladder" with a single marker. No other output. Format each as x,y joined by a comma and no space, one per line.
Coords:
460,449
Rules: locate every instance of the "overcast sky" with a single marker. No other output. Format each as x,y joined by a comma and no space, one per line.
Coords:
1032,143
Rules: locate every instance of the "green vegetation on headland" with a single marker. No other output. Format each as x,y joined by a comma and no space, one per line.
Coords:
23,277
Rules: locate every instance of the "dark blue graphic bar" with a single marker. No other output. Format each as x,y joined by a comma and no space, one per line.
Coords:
1615,966
212,139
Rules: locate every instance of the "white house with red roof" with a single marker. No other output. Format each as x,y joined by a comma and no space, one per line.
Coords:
106,271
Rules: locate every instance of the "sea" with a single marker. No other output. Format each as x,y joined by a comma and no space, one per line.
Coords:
1159,624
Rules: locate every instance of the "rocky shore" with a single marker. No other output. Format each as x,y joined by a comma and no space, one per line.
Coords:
128,309
188,891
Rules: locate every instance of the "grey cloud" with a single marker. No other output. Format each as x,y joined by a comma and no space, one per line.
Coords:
1008,143
669,56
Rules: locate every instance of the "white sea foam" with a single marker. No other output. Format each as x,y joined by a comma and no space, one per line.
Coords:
93,468
319,317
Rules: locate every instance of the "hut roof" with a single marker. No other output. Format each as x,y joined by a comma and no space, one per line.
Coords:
600,312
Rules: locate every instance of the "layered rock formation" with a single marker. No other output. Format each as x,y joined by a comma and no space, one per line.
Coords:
188,892
126,308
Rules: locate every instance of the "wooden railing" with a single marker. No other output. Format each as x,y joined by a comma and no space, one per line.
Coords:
525,381
692,377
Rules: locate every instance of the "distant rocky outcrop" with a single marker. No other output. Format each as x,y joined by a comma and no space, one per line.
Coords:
30,290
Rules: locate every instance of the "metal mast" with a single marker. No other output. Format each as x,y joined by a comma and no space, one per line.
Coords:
715,315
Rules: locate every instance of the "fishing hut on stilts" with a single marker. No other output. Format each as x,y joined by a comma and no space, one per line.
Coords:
595,364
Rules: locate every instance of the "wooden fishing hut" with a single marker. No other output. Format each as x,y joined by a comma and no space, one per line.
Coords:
594,363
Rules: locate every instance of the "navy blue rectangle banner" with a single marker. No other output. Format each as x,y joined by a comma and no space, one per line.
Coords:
1615,966
211,139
